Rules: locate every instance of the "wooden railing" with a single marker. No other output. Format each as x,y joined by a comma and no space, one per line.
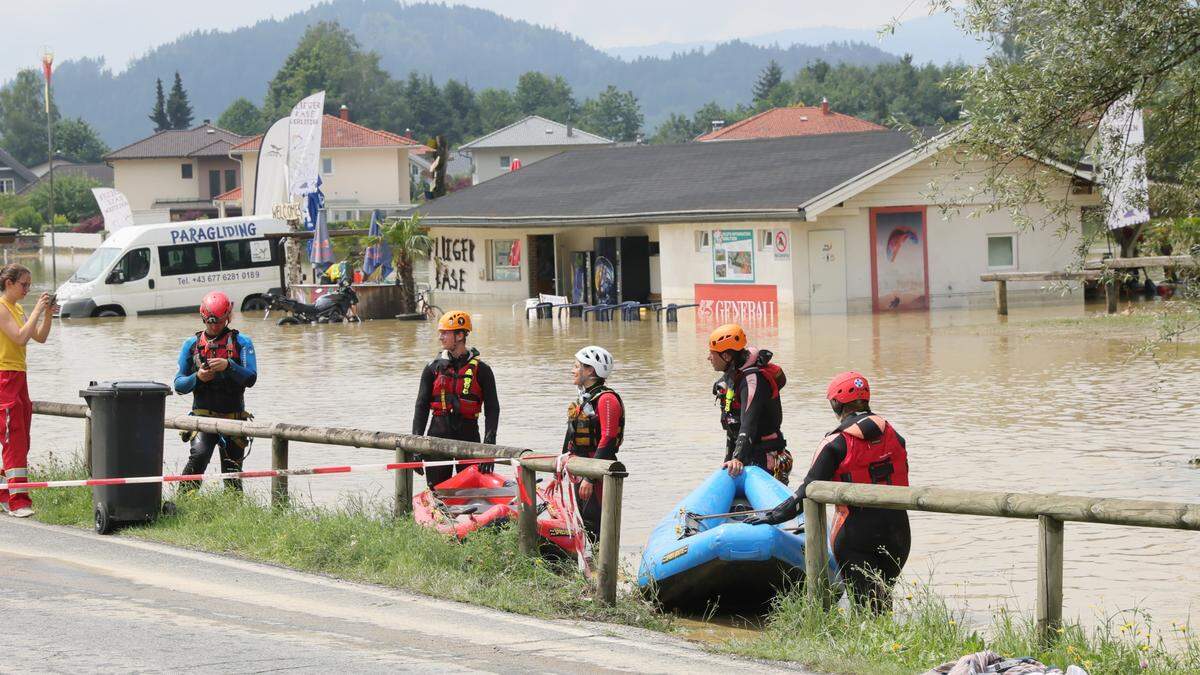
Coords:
611,473
1050,510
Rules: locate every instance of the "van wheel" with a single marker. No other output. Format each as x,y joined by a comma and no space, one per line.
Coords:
254,304
108,313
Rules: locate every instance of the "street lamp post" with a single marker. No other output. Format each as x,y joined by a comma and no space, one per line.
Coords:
47,63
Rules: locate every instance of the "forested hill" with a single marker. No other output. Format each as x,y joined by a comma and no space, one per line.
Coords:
475,46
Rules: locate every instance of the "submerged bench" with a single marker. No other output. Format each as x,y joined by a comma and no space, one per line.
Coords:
1002,278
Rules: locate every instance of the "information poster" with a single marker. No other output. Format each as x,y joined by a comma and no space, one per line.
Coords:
733,256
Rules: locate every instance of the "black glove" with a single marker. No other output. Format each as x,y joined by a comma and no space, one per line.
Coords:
785,511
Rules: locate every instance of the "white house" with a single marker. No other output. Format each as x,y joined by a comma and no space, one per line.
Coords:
812,224
529,140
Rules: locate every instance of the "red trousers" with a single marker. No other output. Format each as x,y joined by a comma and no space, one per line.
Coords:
16,413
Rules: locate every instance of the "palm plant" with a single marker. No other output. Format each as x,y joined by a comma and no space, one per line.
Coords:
409,241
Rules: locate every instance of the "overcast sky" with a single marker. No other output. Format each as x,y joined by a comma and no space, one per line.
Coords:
120,30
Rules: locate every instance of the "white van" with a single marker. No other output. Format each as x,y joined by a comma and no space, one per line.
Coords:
169,268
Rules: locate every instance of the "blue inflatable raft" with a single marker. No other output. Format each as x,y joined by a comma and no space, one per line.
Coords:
692,563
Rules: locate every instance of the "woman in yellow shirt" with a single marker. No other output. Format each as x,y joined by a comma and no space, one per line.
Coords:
17,410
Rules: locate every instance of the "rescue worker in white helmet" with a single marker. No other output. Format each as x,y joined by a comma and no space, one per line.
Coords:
595,426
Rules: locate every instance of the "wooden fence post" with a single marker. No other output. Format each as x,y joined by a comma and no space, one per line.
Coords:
527,517
403,485
279,460
87,443
816,554
1050,578
1002,297
1111,291
610,538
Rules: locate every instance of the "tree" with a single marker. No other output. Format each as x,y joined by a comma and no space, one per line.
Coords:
676,129
23,118
463,112
329,58
72,198
179,111
242,118
409,241
26,219
497,109
613,114
538,94
77,140
419,107
159,114
770,78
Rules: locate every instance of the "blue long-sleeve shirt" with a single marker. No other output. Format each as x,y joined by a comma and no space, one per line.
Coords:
223,393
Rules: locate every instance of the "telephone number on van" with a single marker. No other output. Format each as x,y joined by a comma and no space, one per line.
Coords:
217,277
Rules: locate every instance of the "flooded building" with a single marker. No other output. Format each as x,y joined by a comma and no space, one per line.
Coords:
828,223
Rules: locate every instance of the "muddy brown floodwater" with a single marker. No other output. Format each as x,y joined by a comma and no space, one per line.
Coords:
1030,403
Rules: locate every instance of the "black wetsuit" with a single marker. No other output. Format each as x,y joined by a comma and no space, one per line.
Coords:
454,426
753,417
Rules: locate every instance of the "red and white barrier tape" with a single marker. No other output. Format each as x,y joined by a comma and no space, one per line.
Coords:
266,473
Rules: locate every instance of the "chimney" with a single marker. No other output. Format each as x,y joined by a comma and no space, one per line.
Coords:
718,124
824,106
570,129
207,122
344,112
640,139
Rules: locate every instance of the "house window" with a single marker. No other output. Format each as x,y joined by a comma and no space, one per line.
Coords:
7,186
1002,251
505,161
185,171
230,179
504,259
214,183
327,166
766,240
703,241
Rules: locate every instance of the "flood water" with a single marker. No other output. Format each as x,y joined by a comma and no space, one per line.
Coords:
1021,404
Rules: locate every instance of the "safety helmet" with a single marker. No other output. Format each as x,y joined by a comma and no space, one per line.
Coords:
215,307
455,320
596,357
849,386
729,336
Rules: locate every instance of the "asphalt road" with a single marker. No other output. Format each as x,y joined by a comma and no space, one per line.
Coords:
75,601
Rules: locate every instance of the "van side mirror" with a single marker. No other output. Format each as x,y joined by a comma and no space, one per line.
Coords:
117,276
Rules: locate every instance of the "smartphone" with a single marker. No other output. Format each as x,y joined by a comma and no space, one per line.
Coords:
53,299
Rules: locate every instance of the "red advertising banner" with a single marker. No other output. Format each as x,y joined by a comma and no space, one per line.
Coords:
749,303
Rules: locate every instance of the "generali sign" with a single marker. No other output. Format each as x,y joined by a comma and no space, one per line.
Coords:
750,303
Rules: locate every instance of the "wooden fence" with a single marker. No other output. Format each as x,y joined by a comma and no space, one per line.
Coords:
611,473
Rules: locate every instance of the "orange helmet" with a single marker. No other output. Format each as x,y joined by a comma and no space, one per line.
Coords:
729,336
455,320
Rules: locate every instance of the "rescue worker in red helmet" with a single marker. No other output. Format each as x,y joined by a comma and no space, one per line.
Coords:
870,545
216,366
595,426
751,411
456,387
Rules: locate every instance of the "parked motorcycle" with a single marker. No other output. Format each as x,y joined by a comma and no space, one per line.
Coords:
334,307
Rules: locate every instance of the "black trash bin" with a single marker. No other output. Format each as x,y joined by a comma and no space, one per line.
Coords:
127,441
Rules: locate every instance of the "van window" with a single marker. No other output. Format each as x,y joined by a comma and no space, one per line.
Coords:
244,253
188,259
135,265
95,265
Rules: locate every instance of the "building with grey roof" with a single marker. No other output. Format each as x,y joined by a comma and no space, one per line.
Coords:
529,140
14,176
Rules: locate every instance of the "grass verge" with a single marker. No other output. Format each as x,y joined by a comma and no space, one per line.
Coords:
361,542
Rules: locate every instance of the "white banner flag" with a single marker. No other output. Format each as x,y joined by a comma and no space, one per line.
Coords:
304,144
270,173
1123,165
114,207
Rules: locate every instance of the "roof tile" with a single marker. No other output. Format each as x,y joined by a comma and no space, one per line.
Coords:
339,133
793,121
205,140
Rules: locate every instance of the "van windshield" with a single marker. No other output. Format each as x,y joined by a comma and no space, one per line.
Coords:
95,265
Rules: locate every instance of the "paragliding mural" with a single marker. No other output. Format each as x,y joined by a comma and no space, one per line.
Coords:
899,259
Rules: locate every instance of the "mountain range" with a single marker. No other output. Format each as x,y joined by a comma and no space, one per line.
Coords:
471,45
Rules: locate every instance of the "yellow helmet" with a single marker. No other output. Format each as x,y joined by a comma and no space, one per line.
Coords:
729,336
455,320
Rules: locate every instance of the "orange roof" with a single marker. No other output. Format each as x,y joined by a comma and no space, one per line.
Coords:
234,195
339,133
794,121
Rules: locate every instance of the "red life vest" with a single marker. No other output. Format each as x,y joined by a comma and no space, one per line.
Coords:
223,346
880,462
457,391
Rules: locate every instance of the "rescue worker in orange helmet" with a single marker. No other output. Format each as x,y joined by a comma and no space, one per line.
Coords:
457,387
216,366
870,545
748,395
595,426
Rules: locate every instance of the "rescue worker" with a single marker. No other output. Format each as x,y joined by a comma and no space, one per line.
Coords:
870,545
595,426
456,387
748,395
216,366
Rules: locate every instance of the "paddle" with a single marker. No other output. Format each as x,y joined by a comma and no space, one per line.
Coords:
731,514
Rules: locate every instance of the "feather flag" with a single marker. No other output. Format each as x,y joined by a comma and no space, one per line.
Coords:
377,255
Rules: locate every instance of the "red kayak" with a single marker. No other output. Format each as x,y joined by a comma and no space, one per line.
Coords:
466,502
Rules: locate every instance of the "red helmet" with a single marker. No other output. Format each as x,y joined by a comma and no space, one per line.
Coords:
848,386
215,307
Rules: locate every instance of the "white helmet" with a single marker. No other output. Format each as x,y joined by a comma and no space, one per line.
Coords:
596,357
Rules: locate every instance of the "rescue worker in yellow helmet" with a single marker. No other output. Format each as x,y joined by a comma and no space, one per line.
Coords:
748,395
457,387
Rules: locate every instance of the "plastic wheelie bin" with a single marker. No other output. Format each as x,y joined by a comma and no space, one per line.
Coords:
127,441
